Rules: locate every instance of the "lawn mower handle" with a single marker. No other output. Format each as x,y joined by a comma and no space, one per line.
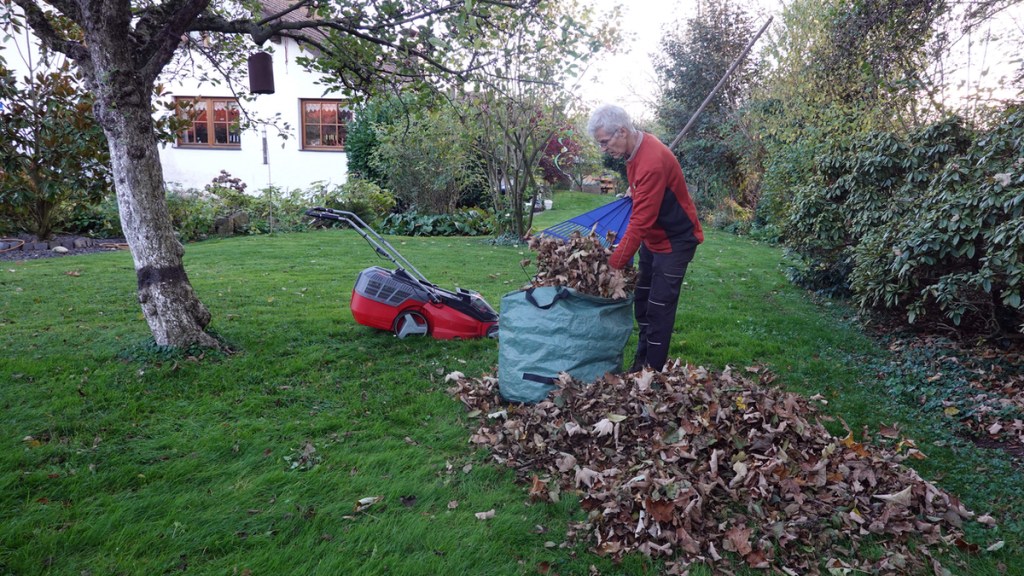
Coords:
379,244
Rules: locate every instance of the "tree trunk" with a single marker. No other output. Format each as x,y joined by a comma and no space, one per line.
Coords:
175,315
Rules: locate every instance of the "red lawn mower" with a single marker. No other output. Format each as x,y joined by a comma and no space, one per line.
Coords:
404,301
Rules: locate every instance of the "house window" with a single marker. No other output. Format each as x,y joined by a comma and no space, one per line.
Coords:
211,122
324,124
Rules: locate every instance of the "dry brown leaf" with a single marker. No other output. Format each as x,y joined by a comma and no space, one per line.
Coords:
538,489
709,461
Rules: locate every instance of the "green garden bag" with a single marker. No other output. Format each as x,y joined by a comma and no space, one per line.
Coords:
551,329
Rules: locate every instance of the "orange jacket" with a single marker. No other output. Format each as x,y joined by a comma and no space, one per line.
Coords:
664,217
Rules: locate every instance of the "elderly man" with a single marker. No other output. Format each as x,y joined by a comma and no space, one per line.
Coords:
663,227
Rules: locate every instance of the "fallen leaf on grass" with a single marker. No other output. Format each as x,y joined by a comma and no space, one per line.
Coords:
364,503
665,488
586,476
987,520
660,510
485,515
604,427
305,458
538,489
565,462
890,431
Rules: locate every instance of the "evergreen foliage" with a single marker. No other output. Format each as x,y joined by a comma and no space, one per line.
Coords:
363,140
53,156
693,60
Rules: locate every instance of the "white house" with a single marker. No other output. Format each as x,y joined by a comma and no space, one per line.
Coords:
314,150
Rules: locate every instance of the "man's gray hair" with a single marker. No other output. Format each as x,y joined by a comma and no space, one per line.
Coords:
609,118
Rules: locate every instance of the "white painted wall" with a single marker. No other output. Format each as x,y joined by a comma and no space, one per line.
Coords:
288,166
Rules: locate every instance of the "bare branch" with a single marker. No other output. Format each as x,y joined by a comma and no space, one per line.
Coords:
283,13
161,47
260,34
45,31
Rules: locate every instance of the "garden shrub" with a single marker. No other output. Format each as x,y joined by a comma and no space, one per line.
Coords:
53,155
277,210
956,253
464,222
192,213
230,190
361,197
930,225
271,209
860,189
429,161
95,221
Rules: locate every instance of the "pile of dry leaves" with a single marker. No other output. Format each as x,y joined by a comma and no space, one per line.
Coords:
581,263
713,468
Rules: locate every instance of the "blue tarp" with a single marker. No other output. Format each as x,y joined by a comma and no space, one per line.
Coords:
613,216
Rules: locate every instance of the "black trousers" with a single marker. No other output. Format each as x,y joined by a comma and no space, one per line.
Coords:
659,281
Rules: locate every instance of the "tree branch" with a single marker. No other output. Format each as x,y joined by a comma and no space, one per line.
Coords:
262,33
45,31
159,49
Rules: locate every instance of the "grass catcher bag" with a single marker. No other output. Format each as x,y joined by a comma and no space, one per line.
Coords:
550,329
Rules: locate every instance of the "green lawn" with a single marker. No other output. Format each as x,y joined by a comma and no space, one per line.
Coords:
118,458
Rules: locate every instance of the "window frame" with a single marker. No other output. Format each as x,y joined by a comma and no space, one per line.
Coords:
211,123
340,124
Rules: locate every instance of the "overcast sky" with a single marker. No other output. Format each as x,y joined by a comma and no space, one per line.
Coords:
628,78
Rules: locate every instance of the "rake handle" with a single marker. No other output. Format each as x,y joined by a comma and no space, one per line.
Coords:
720,84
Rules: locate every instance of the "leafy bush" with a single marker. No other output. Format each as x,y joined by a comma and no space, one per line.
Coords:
53,154
270,210
192,213
955,253
465,222
860,189
361,197
96,221
275,210
362,139
429,161
930,225
231,192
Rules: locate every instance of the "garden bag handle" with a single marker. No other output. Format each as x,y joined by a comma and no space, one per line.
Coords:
560,294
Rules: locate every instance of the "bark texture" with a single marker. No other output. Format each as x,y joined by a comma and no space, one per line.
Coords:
119,73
